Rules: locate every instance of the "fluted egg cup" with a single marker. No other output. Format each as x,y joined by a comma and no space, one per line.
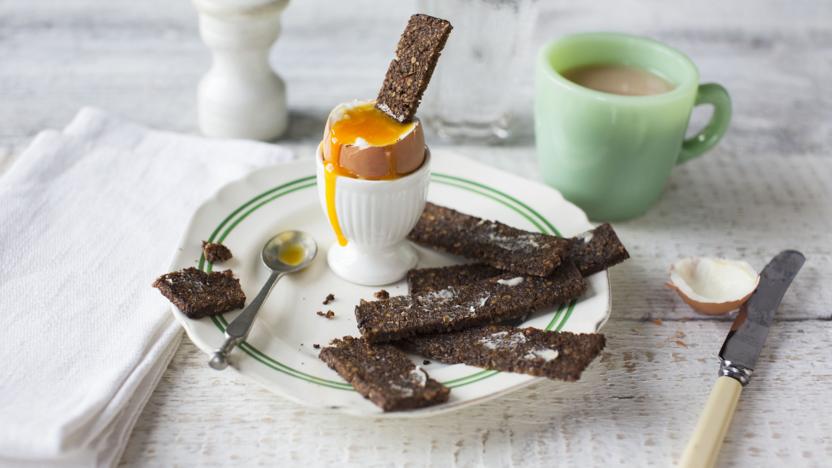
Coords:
375,217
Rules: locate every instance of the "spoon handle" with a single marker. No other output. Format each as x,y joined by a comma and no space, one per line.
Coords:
238,329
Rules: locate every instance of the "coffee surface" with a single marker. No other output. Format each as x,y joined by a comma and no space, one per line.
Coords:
618,79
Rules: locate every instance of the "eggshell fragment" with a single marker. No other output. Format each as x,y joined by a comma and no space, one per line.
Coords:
713,286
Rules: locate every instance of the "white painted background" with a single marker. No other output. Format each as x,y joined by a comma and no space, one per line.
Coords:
768,186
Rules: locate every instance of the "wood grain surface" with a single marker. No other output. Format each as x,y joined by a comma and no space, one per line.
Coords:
766,187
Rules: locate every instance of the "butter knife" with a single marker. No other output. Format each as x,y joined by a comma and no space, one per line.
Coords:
738,358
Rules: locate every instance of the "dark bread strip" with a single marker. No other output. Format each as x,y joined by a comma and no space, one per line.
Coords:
490,242
198,294
505,297
556,355
430,279
597,249
411,68
383,374
593,251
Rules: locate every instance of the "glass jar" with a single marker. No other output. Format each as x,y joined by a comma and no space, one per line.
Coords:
470,95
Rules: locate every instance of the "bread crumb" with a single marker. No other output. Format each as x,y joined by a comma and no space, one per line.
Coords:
329,314
215,252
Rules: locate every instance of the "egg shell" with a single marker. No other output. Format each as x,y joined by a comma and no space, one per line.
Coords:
710,308
373,162
699,304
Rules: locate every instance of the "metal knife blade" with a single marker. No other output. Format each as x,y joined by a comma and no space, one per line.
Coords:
748,333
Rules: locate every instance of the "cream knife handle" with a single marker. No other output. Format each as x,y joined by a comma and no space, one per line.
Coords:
703,447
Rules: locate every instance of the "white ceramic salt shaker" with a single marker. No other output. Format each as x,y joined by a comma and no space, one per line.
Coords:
241,96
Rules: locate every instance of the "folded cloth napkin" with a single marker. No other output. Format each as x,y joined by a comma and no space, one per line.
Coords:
88,219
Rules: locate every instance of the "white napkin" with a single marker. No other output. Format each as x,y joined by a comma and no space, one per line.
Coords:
88,218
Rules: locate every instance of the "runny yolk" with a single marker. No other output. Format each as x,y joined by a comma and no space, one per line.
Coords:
291,255
375,128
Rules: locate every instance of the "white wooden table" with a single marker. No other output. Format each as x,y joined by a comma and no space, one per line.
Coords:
768,186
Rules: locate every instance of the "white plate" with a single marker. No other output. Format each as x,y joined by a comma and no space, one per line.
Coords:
279,352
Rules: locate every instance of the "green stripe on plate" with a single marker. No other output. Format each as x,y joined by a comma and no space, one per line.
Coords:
552,229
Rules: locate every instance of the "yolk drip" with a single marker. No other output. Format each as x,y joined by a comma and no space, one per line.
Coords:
363,122
291,255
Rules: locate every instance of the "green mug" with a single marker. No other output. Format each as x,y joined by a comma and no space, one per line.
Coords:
612,154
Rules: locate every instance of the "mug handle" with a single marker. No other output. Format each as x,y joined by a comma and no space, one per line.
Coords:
716,95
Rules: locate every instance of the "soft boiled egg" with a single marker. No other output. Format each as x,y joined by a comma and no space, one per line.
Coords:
363,142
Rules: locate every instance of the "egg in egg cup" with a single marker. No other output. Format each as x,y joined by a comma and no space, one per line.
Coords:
372,176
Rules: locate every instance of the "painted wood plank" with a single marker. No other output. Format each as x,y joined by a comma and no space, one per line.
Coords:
635,406
63,55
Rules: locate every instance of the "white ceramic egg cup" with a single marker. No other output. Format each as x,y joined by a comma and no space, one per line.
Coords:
375,217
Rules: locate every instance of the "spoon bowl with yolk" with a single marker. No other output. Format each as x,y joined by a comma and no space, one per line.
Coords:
289,251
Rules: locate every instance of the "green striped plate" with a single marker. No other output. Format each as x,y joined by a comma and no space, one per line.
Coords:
280,353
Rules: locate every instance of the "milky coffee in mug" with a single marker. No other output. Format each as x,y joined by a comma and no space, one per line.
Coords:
611,112
618,79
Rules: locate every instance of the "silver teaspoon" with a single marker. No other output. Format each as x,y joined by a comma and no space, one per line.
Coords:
285,253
